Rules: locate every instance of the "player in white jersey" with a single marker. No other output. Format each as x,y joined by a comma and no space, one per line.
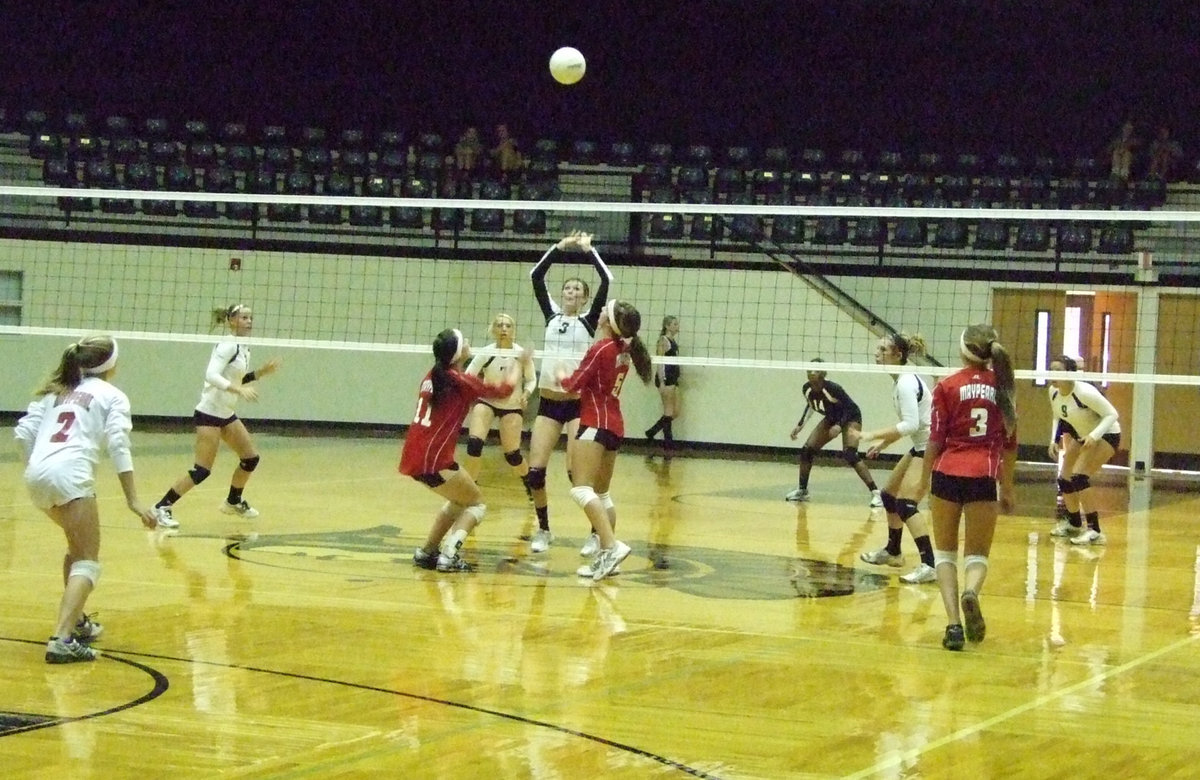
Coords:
510,411
569,333
76,415
905,488
1085,427
227,379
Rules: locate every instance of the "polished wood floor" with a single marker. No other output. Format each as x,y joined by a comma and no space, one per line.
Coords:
744,638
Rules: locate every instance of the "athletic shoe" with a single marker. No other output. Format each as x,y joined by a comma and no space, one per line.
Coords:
797,494
921,574
68,651
588,569
86,630
882,557
241,508
876,498
1065,530
425,560
590,547
972,616
1090,536
953,640
607,560
164,517
541,540
456,564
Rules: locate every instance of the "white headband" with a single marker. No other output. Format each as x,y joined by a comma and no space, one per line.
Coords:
106,365
966,351
610,309
458,346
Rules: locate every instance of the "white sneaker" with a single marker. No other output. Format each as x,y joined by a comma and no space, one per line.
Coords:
242,509
876,498
607,560
923,573
1090,536
591,546
588,569
882,557
164,517
1065,530
796,494
69,651
541,541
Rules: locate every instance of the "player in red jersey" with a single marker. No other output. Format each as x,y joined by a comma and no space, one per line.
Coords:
971,453
447,394
598,381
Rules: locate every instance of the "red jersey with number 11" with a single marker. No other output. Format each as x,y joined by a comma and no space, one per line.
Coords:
429,443
968,424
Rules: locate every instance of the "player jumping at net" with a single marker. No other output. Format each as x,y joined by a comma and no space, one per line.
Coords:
598,380
1086,428
227,379
904,488
78,413
509,411
569,333
839,415
443,401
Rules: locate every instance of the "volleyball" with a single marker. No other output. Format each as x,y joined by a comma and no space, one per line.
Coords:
567,65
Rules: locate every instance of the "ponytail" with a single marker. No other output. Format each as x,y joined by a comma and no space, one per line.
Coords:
446,347
1006,385
90,355
641,359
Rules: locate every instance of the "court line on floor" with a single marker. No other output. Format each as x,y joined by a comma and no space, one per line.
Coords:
968,731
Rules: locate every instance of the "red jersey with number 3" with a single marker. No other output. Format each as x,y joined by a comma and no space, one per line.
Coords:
968,424
429,443
598,381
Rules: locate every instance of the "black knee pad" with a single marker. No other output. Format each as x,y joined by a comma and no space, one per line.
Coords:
807,453
513,458
1081,482
1065,486
198,474
474,446
906,508
889,502
851,456
248,464
536,479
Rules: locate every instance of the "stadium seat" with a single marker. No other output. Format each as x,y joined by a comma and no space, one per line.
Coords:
74,204
1075,237
390,140
890,162
354,161
532,222
1032,236
620,153
829,230
234,133
336,183
654,175
700,155
201,154
125,149
34,122
352,138
806,184
58,172
140,175
745,227
909,232
392,162
879,185
705,227
968,164
75,124
162,151
991,235
83,147
45,145
1008,166
373,186
584,152
100,173
486,219
279,156
317,159
1116,239
544,149
691,177
659,154
666,226
179,177
866,231
787,230
777,158
731,181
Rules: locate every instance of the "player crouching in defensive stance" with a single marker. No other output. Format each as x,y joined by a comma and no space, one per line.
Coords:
446,395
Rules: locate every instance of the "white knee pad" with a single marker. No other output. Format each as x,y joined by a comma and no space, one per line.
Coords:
945,556
583,495
89,569
605,500
975,560
476,511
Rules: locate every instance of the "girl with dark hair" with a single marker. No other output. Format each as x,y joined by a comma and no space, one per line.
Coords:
839,414
1086,429
598,381
569,331
77,413
666,379
904,488
969,466
446,395
227,379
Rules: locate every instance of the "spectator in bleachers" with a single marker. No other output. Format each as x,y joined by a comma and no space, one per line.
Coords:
506,157
467,153
1164,153
1121,151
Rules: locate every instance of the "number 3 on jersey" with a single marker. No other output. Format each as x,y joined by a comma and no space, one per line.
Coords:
980,415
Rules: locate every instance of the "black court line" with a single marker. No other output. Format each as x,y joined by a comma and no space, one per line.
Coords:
161,684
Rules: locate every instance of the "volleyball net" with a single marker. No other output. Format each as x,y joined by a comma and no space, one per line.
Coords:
762,290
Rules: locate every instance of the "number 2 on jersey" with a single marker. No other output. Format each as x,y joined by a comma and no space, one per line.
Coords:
65,421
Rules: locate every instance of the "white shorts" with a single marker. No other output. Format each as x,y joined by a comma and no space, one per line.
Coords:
54,484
